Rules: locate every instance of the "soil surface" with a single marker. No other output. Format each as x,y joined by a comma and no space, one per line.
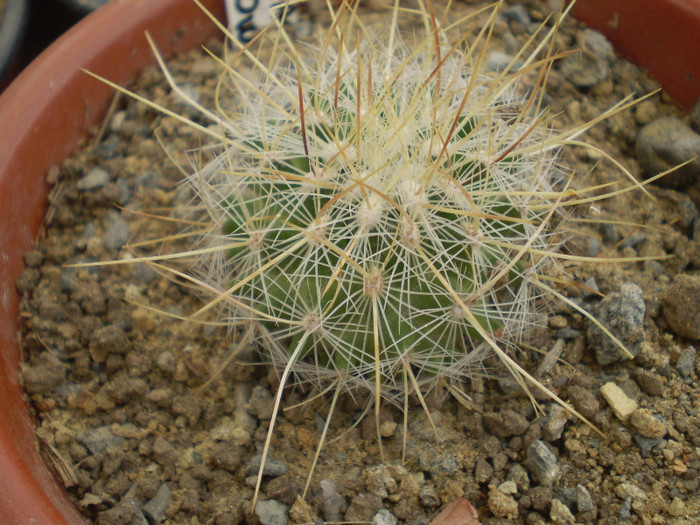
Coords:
145,419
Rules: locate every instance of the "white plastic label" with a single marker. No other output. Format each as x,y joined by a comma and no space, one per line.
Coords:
246,17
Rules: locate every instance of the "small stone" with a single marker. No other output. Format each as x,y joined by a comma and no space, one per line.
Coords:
384,517
167,362
647,423
508,487
621,313
518,474
428,496
686,362
124,389
584,401
116,231
272,468
501,505
646,445
482,471
99,439
681,306
155,508
302,512
272,512
592,65
94,179
333,504
261,403
560,513
620,404
108,340
554,422
163,452
590,288
584,500
677,507
505,423
626,509
542,463
665,143
649,382
516,13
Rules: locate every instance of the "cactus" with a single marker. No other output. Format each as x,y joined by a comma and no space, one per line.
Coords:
382,212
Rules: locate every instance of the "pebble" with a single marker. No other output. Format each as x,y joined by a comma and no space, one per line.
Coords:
626,509
650,382
518,474
681,306
634,240
125,389
482,471
272,512
516,13
646,445
333,504
583,400
428,496
99,439
108,340
622,313
621,405
508,487
116,232
664,144
94,179
167,362
554,422
542,463
272,468
584,500
155,508
506,423
677,507
502,505
592,65
560,513
648,424
550,358
686,362
384,517
261,403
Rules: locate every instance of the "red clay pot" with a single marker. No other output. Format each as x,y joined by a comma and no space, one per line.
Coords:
44,114
52,104
661,35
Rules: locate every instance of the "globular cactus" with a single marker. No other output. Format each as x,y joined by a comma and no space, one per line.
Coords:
381,211
382,228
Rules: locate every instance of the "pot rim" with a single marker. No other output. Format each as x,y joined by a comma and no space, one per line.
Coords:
45,113
117,49
662,36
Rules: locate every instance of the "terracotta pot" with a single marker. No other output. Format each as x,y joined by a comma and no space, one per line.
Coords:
661,35
51,105
44,114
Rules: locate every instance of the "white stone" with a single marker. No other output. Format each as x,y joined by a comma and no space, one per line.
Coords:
622,405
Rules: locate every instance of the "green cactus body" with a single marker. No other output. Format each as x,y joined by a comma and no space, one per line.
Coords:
362,226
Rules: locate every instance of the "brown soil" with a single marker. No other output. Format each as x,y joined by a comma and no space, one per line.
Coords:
136,431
